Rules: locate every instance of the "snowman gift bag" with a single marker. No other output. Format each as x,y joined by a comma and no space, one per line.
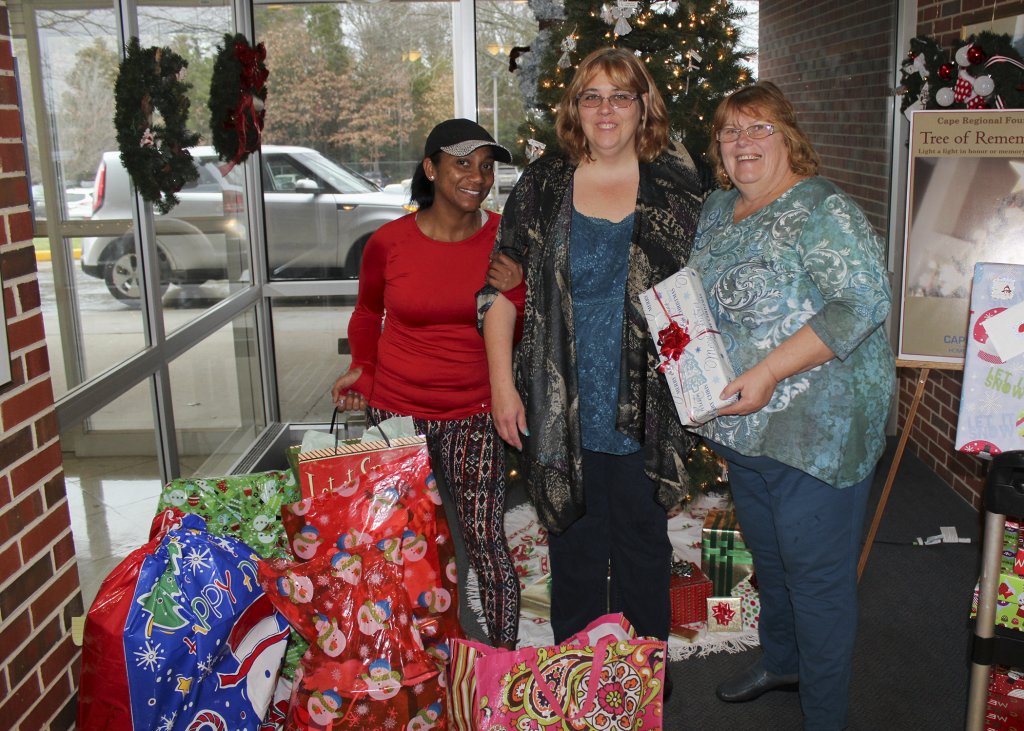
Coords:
366,668
181,636
991,417
247,507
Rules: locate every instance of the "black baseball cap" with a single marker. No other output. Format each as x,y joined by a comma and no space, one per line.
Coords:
460,137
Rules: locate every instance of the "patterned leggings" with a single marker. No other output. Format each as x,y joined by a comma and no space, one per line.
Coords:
471,457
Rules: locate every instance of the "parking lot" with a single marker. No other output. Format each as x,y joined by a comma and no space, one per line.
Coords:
305,336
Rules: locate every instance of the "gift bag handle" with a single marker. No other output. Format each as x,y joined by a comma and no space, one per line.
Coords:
369,418
600,651
334,421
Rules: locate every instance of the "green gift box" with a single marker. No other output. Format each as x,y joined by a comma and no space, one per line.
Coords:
724,557
1010,591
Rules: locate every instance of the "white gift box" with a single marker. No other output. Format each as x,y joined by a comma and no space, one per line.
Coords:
697,374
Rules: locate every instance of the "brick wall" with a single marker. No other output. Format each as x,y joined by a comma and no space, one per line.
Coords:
833,59
39,587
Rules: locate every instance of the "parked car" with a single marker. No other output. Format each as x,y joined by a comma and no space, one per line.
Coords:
505,177
79,202
318,218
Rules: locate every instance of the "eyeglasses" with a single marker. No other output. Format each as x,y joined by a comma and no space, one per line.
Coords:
754,132
619,100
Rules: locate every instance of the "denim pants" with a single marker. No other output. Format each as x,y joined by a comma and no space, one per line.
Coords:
617,557
805,536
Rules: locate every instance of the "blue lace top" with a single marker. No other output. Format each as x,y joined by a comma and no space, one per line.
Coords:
598,259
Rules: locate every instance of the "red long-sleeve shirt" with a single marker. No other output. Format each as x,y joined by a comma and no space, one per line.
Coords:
425,358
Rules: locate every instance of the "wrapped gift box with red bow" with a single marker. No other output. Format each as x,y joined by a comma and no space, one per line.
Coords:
688,590
690,349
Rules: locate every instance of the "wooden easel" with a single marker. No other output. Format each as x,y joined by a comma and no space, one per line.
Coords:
922,380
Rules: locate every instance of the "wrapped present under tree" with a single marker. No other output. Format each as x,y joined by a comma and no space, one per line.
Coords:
688,590
724,557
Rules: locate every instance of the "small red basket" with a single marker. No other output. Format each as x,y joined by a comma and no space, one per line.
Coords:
688,590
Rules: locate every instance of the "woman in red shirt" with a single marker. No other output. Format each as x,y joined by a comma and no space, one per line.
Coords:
425,358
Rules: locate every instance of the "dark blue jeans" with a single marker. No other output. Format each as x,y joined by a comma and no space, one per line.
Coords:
617,557
805,536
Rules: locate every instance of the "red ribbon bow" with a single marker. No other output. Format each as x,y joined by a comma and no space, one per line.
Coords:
672,341
252,79
723,613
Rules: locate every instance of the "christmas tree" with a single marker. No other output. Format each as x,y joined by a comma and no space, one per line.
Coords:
162,601
690,48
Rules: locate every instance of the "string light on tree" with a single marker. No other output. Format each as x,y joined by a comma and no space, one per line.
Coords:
690,48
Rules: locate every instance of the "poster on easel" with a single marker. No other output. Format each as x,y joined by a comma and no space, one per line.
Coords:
965,204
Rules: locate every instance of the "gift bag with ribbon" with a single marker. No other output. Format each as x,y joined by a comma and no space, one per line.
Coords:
602,678
181,636
385,497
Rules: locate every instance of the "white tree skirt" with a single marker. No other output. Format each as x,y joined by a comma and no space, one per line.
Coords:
529,545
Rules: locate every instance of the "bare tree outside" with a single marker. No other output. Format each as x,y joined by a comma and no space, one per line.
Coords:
84,133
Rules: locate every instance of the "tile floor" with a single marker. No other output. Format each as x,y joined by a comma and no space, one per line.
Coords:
112,501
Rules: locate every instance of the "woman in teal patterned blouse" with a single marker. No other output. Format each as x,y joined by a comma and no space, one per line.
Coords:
797,281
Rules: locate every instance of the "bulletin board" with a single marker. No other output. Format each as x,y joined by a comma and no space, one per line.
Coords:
965,204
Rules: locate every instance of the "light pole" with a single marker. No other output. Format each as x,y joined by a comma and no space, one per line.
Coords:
494,92
495,49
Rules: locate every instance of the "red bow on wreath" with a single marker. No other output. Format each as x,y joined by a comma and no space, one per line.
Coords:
253,73
250,107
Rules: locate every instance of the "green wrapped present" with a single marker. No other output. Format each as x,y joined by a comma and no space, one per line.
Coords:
724,557
1010,592
246,507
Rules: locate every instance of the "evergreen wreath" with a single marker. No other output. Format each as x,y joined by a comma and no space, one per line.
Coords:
238,94
153,149
984,72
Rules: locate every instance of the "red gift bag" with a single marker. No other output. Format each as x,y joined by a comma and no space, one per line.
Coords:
323,470
366,657
391,503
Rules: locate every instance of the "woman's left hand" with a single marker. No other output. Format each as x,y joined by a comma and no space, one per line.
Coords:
755,388
504,273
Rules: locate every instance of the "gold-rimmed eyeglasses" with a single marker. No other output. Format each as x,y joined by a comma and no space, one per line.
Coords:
619,100
754,132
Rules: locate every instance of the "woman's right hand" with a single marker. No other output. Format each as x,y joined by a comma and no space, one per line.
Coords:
344,398
509,415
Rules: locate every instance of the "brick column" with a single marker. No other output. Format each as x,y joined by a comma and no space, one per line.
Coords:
39,586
